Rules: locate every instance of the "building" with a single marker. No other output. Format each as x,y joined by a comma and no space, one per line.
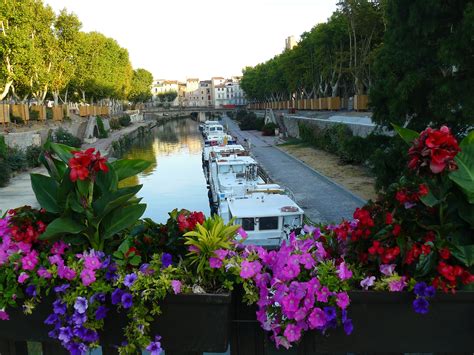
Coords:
290,42
162,86
201,96
228,93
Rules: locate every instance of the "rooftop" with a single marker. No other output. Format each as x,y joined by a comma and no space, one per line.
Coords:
263,205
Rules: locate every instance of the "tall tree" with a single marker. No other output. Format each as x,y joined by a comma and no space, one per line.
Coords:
141,86
424,73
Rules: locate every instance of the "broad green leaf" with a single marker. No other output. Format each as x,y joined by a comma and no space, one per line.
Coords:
425,265
73,204
465,254
46,190
121,218
65,188
83,186
429,200
108,202
62,225
107,181
464,175
467,213
406,134
63,151
129,167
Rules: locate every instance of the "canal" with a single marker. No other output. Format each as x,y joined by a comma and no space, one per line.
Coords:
175,179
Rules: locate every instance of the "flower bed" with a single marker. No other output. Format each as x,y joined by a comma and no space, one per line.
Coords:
91,272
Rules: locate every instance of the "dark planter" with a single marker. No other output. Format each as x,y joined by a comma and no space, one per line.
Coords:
188,323
383,322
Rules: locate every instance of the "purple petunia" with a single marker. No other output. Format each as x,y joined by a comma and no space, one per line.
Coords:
61,289
81,305
79,318
101,312
127,300
52,319
117,296
155,346
31,291
59,307
130,279
166,260
420,305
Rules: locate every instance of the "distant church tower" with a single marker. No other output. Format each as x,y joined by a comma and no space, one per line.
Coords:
290,42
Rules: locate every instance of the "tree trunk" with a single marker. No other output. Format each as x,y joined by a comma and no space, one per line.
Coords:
6,89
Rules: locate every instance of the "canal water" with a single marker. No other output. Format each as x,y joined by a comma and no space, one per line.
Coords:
175,179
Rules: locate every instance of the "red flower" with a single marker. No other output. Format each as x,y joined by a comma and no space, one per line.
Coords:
423,190
396,230
444,253
435,149
388,218
425,249
83,163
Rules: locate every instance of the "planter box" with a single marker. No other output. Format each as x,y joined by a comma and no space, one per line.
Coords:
361,102
4,113
41,111
383,322
196,322
83,111
58,113
22,111
334,103
323,103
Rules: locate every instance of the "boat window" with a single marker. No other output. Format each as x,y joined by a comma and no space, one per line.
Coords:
248,224
219,128
238,168
268,223
292,221
224,169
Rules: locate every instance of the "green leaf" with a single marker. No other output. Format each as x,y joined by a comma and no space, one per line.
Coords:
46,190
425,265
74,204
129,167
464,253
108,202
62,225
121,218
135,260
406,134
467,213
429,200
107,181
464,175
65,188
63,151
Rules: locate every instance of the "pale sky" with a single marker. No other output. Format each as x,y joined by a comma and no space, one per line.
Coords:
179,39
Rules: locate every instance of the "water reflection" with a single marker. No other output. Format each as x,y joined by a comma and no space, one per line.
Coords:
175,179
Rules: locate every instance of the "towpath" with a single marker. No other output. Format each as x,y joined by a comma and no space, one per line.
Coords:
322,199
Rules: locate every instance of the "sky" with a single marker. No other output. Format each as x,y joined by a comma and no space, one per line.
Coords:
179,39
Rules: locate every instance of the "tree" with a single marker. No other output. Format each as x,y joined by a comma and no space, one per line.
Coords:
141,86
424,73
168,96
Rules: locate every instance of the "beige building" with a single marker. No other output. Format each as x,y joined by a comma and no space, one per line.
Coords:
290,42
161,86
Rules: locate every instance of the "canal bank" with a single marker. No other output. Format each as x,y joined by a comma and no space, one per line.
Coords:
19,191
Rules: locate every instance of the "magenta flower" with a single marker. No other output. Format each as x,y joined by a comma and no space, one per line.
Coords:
87,277
193,249
221,253
342,300
249,269
4,315
43,273
290,303
323,294
344,272
56,260
292,332
397,285
29,261
387,269
23,277
242,233
317,318
307,260
367,282
92,262
58,248
215,263
176,285
67,273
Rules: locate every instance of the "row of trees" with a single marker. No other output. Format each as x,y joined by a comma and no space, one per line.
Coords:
47,55
334,58
413,57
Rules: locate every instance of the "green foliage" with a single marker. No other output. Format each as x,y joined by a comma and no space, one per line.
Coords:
424,73
141,86
91,211
5,172
16,119
249,121
3,147
464,175
114,123
16,159
32,156
167,97
62,136
102,132
125,120
269,129
34,115
49,113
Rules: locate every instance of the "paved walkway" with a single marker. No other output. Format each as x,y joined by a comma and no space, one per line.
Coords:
322,199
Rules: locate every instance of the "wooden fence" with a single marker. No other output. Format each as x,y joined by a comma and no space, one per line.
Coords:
318,104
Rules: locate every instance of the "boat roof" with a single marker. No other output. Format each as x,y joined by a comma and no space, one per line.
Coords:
236,160
227,148
263,205
210,123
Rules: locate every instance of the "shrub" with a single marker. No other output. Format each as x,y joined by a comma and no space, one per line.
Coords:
34,115
269,129
114,124
102,131
49,113
125,121
3,147
16,159
251,122
5,172
16,119
64,137
32,156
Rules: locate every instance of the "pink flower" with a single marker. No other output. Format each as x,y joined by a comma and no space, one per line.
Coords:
221,253
387,269
215,263
342,300
307,260
58,248
56,260
65,272
4,315
290,303
194,249
176,285
29,261
317,318
397,285
344,272
23,277
292,332
242,233
249,269
87,277
91,262
24,247
45,274
322,294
